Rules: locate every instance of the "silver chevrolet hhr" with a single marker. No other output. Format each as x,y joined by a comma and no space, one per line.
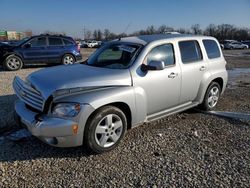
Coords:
124,83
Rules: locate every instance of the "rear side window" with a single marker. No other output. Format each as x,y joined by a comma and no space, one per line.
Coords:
67,42
190,51
39,41
163,53
212,49
55,41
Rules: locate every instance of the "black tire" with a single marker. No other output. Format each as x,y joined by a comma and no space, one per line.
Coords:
92,139
68,59
13,63
207,103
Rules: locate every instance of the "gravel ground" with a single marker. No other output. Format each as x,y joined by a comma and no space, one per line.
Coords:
189,149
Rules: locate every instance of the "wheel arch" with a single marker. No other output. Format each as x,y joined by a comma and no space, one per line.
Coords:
221,80
120,105
13,53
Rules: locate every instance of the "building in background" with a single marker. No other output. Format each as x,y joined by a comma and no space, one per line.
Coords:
13,35
3,35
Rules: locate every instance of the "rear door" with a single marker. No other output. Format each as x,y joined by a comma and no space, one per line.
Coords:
56,49
193,68
37,52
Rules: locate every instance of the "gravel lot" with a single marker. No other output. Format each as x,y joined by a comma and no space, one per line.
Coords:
190,149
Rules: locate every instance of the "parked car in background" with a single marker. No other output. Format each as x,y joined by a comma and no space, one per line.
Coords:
247,42
235,45
90,44
222,46
123,84
40,49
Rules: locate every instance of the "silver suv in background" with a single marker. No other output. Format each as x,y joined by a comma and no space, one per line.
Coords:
124,83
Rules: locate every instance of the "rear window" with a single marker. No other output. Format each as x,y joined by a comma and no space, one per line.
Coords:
67,42
212,49
190,51
55,41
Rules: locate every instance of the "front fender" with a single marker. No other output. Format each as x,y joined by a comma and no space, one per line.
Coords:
134,98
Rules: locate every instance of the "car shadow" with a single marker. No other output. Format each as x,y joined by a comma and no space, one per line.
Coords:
231,120
7,121
32,148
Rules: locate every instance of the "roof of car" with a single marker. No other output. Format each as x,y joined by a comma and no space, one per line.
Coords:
145,39
53,35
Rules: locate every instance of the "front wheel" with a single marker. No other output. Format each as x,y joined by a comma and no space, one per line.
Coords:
105,129
13,63
68,59
211,97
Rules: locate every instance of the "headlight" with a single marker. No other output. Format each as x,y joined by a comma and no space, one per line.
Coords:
66,109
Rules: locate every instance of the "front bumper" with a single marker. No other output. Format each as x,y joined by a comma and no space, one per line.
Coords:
51,130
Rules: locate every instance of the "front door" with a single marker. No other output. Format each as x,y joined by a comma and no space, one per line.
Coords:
36,52
162,87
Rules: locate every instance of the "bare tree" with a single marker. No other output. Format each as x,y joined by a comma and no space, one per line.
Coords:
196,29
211,30
95,34
164,29
88,34
151,30
106,34
99,34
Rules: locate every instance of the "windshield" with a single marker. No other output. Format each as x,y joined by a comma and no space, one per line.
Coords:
114,56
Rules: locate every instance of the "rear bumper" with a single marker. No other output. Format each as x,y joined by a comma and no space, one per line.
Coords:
79,58
51,130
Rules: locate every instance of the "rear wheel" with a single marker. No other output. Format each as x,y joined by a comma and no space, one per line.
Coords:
68,59
211,97
13,62
105,129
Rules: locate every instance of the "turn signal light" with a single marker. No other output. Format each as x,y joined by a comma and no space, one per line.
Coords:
75,128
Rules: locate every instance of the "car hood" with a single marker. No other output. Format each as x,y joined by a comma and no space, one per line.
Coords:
49,80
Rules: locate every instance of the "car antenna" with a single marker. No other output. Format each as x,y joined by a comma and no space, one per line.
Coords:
125,30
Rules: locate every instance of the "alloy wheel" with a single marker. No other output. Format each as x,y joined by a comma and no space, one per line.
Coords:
68,60
13,63
108,130
213,97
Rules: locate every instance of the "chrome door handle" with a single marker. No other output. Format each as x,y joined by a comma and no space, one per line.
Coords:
202,68
172,75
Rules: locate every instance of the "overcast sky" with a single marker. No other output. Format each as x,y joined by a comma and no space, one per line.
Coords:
71,16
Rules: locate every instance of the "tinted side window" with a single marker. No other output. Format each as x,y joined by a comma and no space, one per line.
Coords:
163,53
212,49
190,51
39,41
67,42
55,41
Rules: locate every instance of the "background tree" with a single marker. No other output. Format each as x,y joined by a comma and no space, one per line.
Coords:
196,30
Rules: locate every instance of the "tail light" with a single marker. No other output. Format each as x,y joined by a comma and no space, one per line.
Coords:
78,47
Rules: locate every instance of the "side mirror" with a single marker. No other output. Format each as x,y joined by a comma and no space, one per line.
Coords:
153,65
27,45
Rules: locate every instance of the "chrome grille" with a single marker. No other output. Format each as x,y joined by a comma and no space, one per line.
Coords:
27,94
